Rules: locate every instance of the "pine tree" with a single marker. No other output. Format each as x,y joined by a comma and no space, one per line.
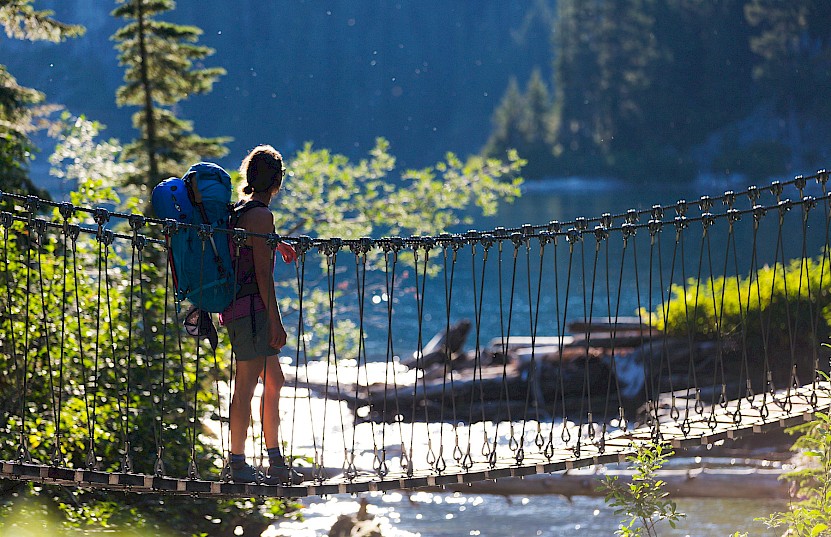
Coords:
159,58
507,123
606,63
627,59
701,81
578,85
16,123
534,127
793,43
19,110
538,106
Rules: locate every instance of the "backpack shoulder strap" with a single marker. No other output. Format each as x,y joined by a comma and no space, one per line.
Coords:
243,207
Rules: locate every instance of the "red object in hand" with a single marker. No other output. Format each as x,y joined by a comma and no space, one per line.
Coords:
288,253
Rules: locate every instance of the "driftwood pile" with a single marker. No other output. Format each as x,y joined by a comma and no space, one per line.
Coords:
516,378
601,367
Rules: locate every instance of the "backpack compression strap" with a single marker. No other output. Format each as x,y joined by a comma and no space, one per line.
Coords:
193,187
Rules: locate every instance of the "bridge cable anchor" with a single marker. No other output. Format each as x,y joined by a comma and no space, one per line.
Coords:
24,456
193,470
127,460
158,467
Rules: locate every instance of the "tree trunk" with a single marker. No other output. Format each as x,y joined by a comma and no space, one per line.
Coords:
150,121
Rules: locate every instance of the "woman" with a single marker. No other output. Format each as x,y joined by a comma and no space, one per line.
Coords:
253,319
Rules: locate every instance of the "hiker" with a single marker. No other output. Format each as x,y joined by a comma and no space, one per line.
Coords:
253,319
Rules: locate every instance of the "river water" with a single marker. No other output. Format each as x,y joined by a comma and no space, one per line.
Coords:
456,515
435,514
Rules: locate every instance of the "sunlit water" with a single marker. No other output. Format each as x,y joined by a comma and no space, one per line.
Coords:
456,515
407,514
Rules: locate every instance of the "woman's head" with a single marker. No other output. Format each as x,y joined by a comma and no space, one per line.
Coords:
261,171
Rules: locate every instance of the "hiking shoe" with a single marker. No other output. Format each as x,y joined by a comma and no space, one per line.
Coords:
245,473
281,475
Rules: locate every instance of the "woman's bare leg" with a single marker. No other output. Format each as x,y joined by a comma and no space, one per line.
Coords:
245,382
273,380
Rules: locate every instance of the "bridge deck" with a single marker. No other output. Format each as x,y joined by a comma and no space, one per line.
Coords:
709,424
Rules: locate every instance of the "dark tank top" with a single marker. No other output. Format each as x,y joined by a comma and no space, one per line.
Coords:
248,300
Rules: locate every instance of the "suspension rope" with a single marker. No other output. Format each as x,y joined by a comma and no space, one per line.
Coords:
744,366
7,223
360,252
533,388
158,433
571,237
449,279
57,399
380,463
420,281
301,350
42,242
23,450
613,324
126,464
478,298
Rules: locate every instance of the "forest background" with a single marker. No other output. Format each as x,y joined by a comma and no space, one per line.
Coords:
636,89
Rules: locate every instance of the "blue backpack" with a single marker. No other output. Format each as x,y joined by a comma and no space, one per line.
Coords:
202,270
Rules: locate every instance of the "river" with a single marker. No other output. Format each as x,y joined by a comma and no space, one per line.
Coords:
456,515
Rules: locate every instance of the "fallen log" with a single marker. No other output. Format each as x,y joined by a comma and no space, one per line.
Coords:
598,324
751,483
444,345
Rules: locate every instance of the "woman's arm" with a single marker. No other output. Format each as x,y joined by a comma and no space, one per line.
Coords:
260,220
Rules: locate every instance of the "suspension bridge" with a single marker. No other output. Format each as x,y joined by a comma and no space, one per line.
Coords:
584,339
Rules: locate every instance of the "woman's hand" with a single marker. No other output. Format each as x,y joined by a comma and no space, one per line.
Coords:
286,250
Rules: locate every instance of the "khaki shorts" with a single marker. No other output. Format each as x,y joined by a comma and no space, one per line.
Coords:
250,340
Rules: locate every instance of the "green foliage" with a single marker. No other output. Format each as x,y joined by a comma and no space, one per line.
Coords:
88,357
162,68
732,306
22,21
326,195
86,165
31,510
21,112
810,514
643,502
